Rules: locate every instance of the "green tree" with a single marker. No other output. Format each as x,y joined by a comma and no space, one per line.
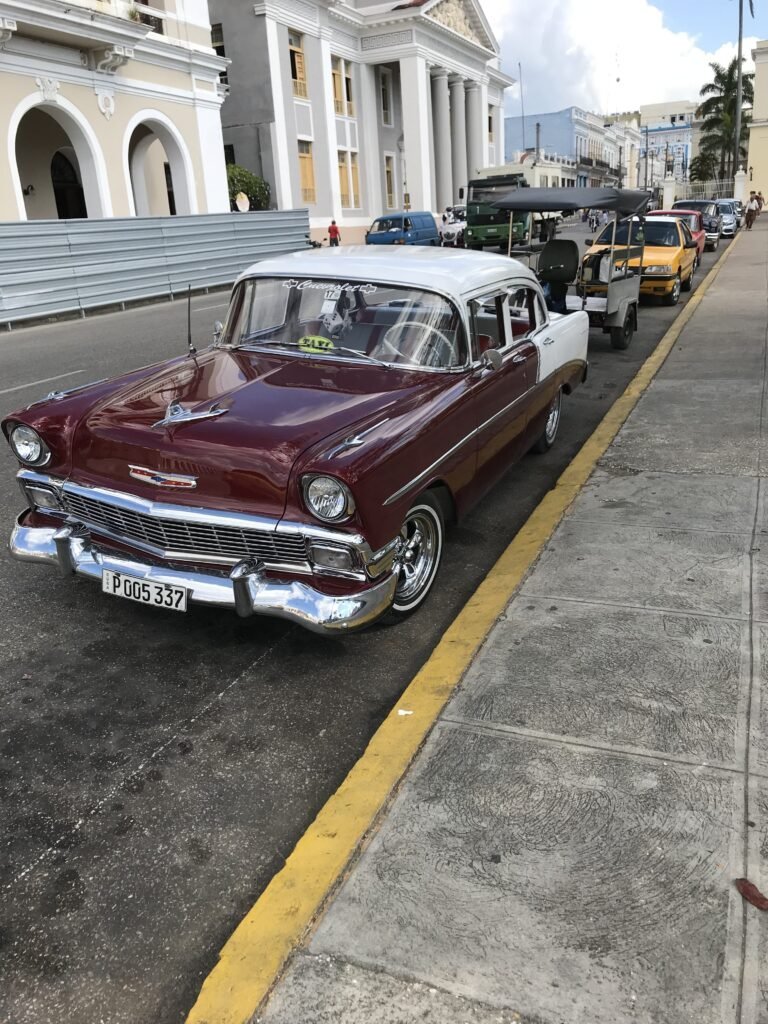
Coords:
718,111
703,167
240,179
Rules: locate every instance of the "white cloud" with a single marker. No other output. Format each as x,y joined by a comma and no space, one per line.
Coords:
604,56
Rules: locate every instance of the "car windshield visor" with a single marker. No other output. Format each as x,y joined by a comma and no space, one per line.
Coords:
341,319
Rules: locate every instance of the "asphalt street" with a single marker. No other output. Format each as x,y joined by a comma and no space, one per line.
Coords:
157,768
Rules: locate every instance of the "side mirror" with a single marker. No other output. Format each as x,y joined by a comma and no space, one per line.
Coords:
218,327
589,241
491,359
690,245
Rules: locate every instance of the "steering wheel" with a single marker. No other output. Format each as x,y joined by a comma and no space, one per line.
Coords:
434,343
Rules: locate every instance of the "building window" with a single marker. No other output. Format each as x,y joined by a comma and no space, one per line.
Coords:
389,178
298,67
217,42
306,172
355,174
343,178
385,81
229,153
341,73
490,126
349,178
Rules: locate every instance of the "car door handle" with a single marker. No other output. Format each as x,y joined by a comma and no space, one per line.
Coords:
519,358
548,341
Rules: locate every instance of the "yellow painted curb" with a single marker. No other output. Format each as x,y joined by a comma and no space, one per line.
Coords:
251,960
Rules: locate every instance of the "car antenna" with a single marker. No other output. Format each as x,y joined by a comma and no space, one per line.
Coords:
190,347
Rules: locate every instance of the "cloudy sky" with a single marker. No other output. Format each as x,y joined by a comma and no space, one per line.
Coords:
610,55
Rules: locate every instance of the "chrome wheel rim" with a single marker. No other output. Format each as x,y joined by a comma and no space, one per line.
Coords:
676,288
553,420
419,555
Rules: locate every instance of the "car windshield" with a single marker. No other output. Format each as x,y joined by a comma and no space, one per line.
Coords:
339,319
726,208
661,233
387,224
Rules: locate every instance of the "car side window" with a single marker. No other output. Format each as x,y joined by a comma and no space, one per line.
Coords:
687,236
525,312
489,317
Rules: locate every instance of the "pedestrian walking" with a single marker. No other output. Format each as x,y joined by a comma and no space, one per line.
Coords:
605,217
760,203
753,208
334,235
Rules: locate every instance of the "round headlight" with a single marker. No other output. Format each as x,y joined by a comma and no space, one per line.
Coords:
327,498
28,446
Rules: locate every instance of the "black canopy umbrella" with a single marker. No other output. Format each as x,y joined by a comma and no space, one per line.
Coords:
624,201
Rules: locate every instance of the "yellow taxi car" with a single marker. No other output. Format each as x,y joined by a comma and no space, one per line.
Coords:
669,256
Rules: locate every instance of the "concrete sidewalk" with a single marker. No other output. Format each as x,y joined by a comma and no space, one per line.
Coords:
563,849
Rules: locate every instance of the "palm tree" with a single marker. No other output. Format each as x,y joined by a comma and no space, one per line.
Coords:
719,111
703,167
737,135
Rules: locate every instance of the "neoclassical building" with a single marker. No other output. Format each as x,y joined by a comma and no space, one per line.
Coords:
356,107
110,109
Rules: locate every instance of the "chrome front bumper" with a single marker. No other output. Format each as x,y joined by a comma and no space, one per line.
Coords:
246,590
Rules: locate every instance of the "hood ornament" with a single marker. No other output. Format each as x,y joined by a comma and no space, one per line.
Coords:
176,414
152,476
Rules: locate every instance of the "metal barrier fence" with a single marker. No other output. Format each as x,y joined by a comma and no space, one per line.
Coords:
722,188
64,266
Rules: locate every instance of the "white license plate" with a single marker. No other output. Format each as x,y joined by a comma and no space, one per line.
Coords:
159,595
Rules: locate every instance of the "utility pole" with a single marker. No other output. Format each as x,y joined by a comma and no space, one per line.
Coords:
646,156
522,102
737,140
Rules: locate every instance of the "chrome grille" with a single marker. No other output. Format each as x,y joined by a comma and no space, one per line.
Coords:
193,538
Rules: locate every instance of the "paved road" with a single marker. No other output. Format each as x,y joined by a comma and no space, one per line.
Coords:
156,769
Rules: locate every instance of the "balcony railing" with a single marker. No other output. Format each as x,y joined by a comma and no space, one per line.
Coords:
308,195
299,88
146,16
587,161
602,163
344,108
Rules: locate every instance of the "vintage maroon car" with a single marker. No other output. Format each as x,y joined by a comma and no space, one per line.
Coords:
305,465
695,221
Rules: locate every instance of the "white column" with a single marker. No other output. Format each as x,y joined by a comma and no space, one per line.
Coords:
498,134
370,159
441,115
474,129
281,154
484,112
413,87
329,116
458,136
431,142
213,166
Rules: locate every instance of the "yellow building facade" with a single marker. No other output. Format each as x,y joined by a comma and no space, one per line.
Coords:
109,109
757,161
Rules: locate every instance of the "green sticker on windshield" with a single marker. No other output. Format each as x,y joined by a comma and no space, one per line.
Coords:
315,343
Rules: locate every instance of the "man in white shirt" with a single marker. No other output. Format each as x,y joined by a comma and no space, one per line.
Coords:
753,207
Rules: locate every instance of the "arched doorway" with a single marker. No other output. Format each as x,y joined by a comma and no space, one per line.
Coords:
159,169
59,168
67,187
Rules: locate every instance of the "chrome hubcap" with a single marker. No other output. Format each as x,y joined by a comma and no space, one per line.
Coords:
553,419
420,548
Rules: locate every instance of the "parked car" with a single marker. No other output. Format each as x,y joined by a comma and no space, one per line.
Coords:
452,232
730,217
713,221
403,228
306,465
669,257
739,208
695,221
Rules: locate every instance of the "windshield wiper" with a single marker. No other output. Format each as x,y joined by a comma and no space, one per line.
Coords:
360,355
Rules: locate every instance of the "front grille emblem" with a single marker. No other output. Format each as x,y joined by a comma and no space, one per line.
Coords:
174,480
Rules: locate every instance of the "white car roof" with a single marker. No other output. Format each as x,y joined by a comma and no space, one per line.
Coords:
454,272
664,219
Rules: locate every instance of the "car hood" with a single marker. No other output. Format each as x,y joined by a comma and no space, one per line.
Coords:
274,408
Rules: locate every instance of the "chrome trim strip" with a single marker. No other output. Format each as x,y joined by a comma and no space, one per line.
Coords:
354,440
56,396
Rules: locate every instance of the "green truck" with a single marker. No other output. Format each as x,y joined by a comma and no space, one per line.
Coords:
485,225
